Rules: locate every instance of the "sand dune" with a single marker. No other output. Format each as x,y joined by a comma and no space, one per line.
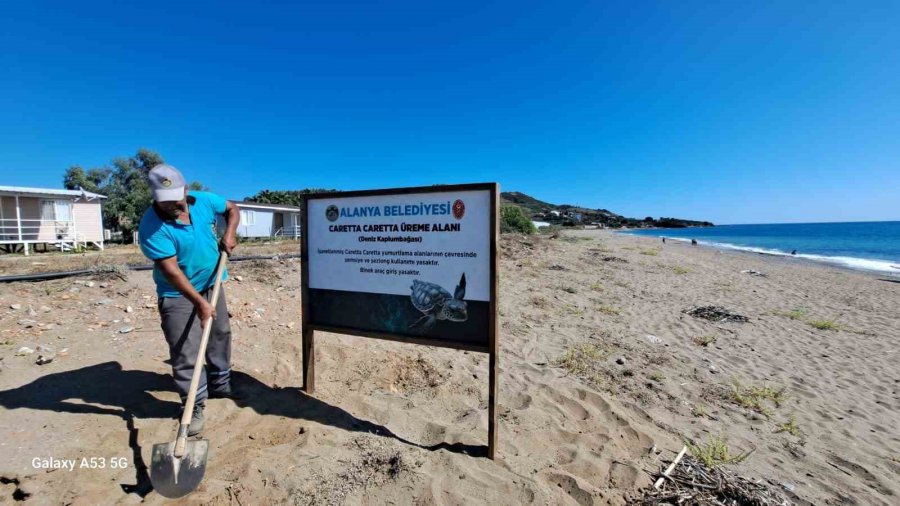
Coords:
402,424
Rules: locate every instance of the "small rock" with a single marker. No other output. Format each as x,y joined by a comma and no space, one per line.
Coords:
43,348
621,360
302,430
50,326
104,285
104,302
126,330
74,289
251,436
790,487
63,352
31,311
45,309
15,307
89,284
712,368
44,359
652,339
129,309
27,323
239,278
24,350
126,320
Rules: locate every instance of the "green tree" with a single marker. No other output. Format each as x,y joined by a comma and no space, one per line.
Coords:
513,219
285,197
92,180
125,186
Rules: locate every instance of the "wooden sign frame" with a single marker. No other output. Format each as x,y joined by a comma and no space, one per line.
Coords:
492,349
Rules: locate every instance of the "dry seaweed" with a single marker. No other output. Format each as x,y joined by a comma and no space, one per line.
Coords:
716,314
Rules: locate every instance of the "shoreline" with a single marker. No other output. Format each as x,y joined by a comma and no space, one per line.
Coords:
803,258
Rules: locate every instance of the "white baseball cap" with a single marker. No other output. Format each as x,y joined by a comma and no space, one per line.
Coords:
166,183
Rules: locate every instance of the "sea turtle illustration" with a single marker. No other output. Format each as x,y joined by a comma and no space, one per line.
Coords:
435,303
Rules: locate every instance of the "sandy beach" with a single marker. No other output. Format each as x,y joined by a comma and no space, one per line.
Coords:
603,376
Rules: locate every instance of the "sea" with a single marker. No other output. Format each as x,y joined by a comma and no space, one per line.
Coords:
870,246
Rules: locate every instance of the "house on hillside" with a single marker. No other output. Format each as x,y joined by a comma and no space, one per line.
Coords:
49,218
266,220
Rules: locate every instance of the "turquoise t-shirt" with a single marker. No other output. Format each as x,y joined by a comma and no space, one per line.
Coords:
195,244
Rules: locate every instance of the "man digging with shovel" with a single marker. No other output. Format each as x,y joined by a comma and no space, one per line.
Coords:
177,233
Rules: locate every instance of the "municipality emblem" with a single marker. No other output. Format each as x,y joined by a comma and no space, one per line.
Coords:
332,213
459,209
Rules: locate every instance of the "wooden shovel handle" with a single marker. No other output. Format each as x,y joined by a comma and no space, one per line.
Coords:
201,356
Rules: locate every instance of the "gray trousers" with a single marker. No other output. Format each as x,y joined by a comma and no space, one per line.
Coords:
183,332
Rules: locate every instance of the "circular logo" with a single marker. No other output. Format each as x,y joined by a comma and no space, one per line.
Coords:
166,182
332,213
459,209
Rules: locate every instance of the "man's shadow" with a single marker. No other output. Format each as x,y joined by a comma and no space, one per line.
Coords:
100,386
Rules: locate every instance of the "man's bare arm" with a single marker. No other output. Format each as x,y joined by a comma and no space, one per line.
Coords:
232,220
175,276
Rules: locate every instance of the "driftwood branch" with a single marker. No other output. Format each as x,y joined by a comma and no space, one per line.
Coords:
665,473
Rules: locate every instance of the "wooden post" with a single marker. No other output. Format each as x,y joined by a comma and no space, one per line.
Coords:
309,361
493,353
19,226
309,350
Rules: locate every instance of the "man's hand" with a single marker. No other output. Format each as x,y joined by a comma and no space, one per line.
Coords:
228,243
232,219
205,311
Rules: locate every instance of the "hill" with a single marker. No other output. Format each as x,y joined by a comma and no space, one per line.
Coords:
570,215
555,214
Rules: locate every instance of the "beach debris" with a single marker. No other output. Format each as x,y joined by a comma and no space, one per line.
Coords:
47,354
15,307
753,273
715,314
653,339
689,481
557,268
24,350
614,259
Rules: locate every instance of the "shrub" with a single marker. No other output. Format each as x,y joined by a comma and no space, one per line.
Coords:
826,325
705,340
754,397
513,219
580,358
715,452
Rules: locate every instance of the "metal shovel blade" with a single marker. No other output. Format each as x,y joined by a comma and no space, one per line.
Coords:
176,477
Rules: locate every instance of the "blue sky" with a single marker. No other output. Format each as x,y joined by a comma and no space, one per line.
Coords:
736,112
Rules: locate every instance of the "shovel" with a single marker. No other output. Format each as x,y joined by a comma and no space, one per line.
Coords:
177,467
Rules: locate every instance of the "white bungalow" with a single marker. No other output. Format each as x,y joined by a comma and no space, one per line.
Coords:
267,220
61,219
